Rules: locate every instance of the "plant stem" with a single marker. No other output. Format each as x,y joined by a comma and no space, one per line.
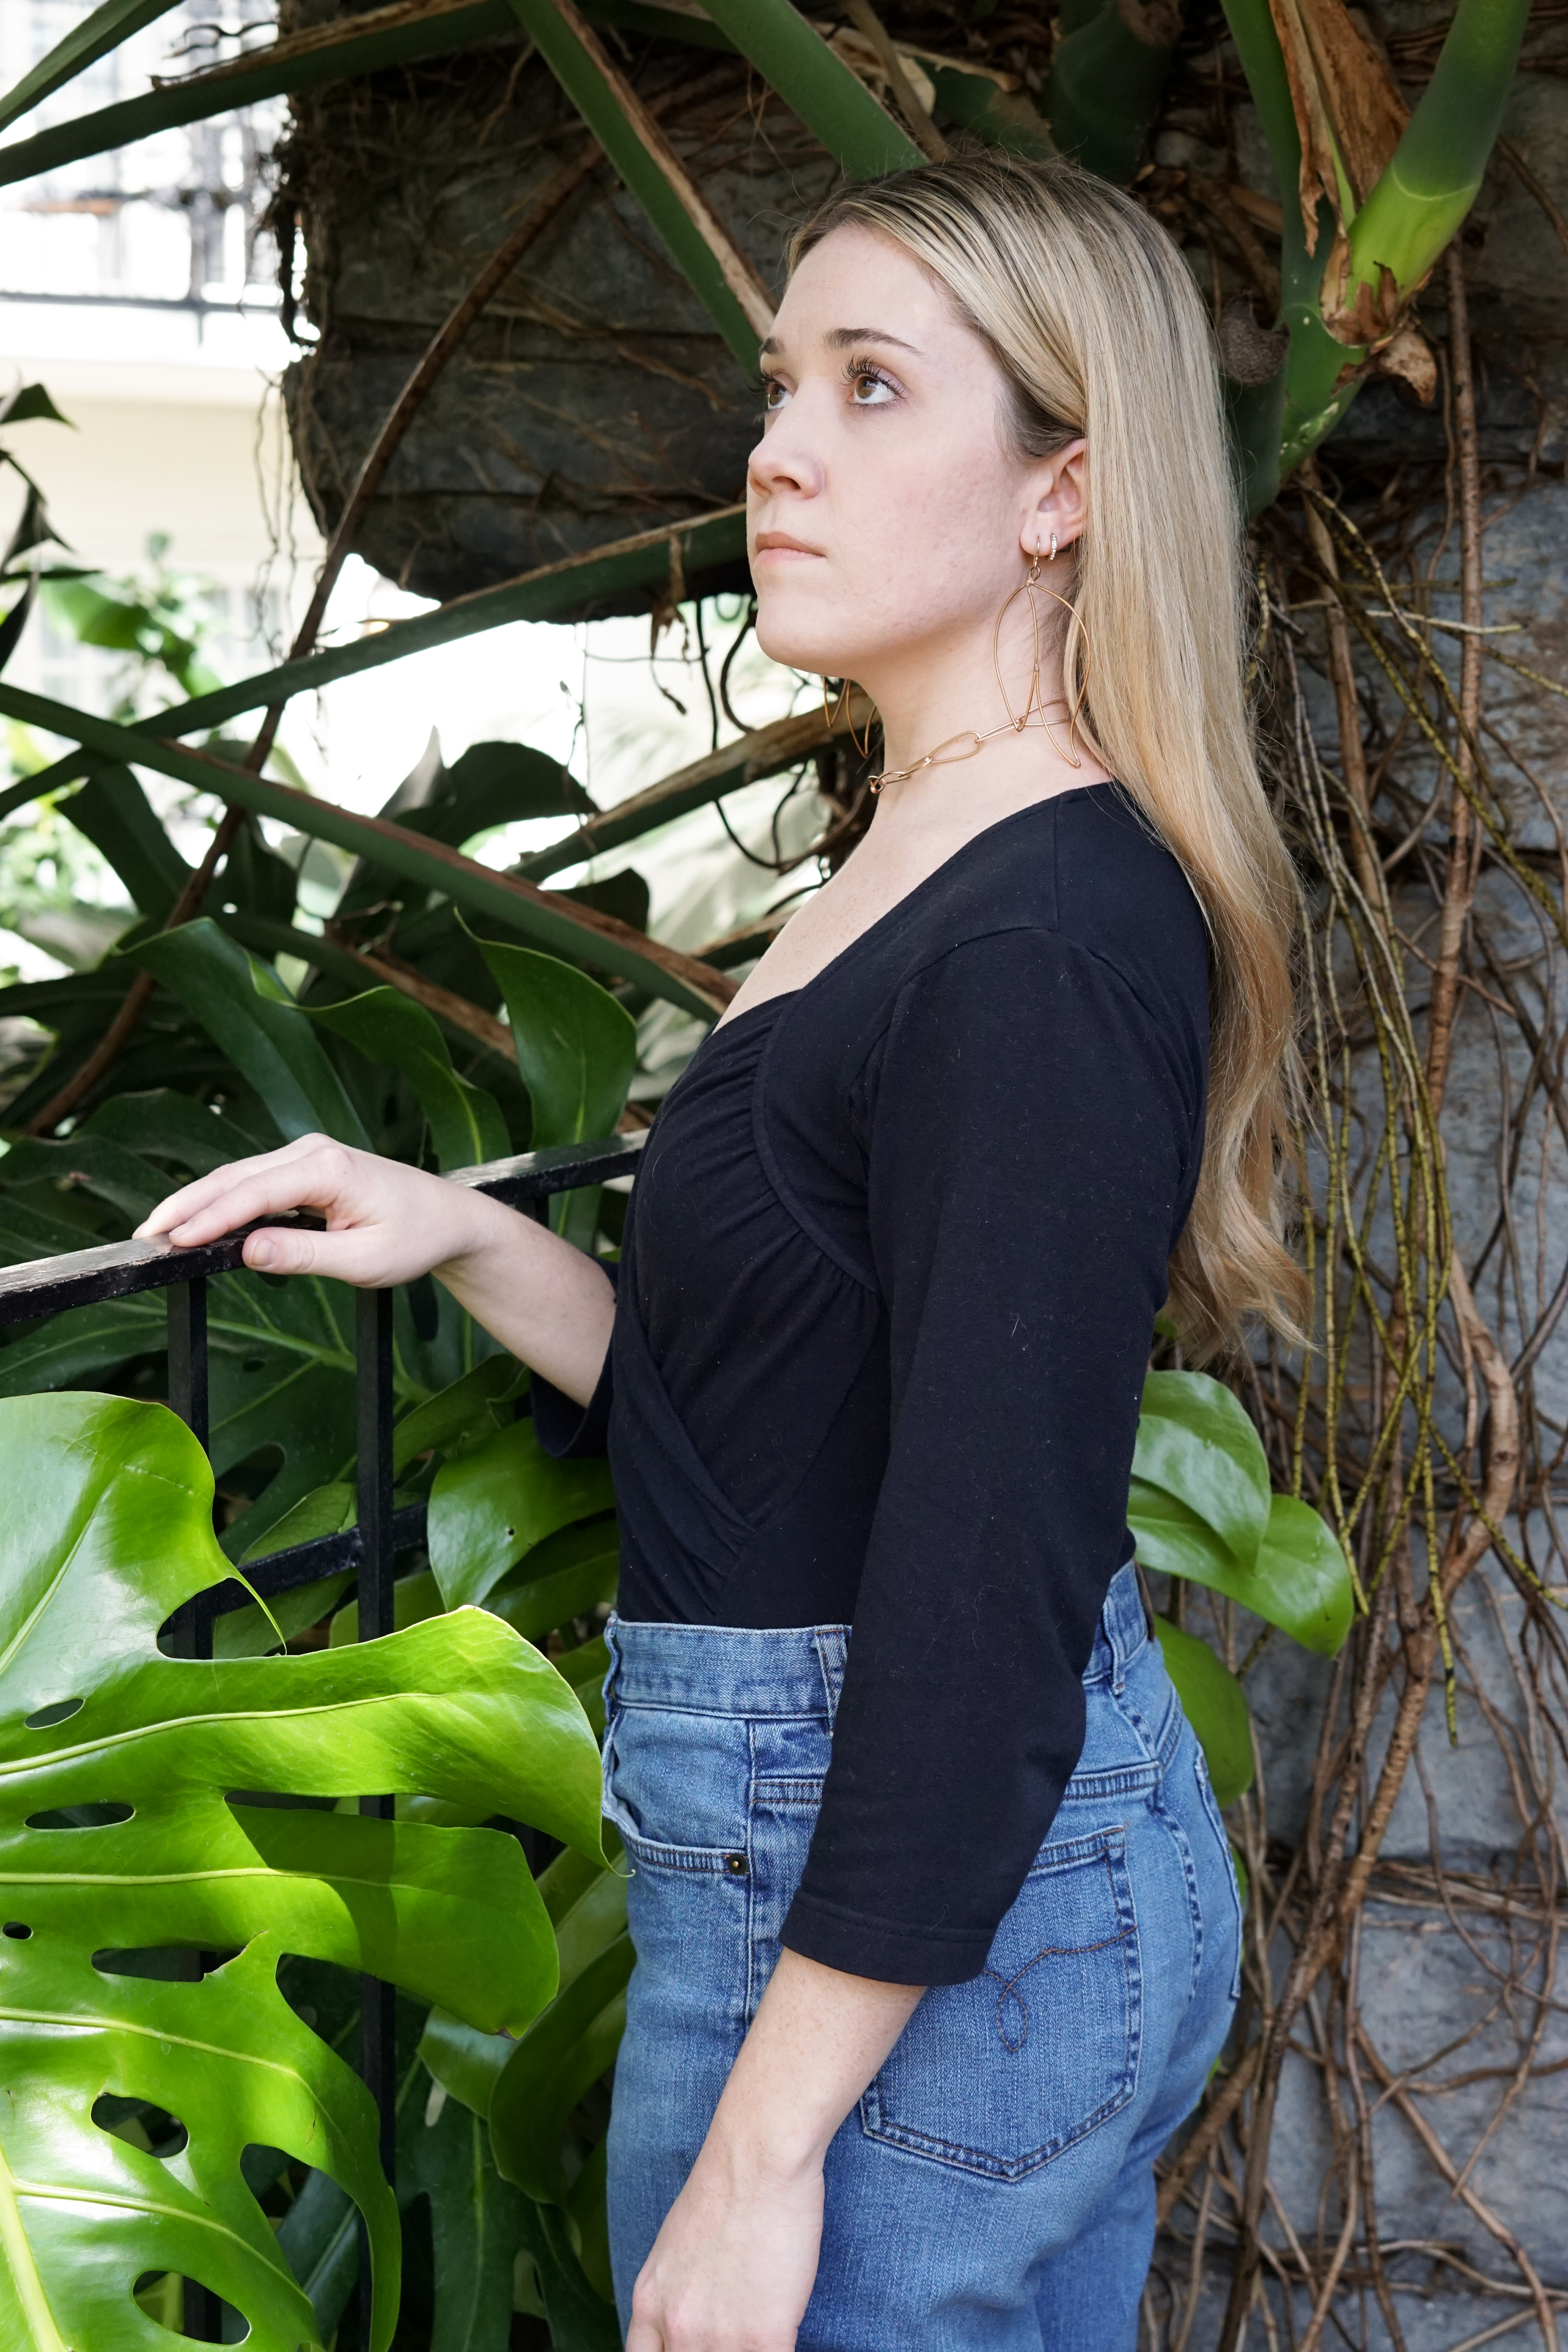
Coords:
1459,885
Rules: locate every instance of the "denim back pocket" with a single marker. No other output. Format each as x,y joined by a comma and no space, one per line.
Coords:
1000,2075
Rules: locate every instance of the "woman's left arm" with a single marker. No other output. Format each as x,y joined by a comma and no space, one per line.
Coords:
731,2270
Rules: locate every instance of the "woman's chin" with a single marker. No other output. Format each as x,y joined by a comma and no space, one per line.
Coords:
798,640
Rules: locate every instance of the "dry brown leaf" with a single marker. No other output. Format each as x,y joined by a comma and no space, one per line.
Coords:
1410,357
1349,113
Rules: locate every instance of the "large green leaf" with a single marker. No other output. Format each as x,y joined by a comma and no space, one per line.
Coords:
244,1006
588,1907
1107,79
116,816
163,1125
815,84
136,1757
1196,1447
564,1577
1215,1705
580,2320
718,274
460,1414
579,580
86,2213
94,1163
561,2055
491,1505
466,1123
102,30
545,915
1302,1580
244,82
576,1047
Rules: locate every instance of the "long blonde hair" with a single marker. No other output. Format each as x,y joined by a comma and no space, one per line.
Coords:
1097,326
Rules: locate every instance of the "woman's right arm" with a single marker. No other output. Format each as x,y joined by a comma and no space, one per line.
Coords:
386,1224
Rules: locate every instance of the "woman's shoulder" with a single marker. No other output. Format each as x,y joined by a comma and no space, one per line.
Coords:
1085,870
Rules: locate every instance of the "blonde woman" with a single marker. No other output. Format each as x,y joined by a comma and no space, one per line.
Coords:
936,1931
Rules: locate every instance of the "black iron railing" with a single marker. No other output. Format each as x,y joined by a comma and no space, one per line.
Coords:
85,1277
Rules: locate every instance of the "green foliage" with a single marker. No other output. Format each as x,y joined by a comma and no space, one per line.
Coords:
531,2092
546,920
466,1123
492,1505
477,2222
121,1825
815,84
1419,203
576,1047
1201,1508
1107,79
160,621
1215,1705
106,26
244,1006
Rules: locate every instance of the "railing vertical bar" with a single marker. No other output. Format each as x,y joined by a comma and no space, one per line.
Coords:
378,2001
187,1308
193,1633
188,1355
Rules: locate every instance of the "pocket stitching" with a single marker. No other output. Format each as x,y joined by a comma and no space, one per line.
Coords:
1109,1846
1210,1804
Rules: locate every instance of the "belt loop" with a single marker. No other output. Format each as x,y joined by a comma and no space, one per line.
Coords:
832,1654
613,1645
1115,1619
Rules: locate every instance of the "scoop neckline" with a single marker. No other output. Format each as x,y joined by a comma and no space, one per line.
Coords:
783,997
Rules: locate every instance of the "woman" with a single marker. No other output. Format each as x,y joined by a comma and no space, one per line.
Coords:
908,2028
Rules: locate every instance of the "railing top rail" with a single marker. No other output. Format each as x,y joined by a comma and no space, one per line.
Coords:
44,1286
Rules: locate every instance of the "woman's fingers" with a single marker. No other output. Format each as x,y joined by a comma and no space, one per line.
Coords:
308,1173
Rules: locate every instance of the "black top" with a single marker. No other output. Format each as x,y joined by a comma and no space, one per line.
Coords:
893,1256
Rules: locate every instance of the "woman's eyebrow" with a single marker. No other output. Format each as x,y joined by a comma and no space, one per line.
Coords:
843,338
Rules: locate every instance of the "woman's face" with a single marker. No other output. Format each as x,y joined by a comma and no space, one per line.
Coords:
886,510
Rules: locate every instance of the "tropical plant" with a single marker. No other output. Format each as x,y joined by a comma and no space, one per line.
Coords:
131,1838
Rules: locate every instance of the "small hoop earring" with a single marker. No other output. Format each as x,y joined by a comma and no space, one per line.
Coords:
1052,557
1031,586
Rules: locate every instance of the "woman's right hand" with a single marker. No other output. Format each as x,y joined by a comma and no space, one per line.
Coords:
386,1222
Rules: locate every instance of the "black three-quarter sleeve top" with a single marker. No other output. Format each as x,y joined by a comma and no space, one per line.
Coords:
893,1256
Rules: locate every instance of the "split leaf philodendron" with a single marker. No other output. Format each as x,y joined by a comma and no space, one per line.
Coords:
122,1834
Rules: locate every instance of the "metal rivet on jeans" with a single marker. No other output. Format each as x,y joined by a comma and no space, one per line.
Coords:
737,1864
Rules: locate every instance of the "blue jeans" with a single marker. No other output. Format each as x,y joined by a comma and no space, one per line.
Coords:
994,2187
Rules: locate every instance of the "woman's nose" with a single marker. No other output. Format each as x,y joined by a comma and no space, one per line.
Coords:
784,460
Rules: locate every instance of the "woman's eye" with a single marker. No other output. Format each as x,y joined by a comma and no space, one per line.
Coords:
773,393
868,390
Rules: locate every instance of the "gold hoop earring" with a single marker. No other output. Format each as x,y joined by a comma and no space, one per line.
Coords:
830,717
1032,586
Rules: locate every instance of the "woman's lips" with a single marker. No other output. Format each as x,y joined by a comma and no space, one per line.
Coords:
776,547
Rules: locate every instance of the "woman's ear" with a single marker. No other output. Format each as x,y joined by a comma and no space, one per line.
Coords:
1058,500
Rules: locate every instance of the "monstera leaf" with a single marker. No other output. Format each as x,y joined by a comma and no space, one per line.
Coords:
126,1828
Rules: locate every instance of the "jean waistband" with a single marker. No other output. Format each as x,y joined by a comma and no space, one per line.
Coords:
799,1670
